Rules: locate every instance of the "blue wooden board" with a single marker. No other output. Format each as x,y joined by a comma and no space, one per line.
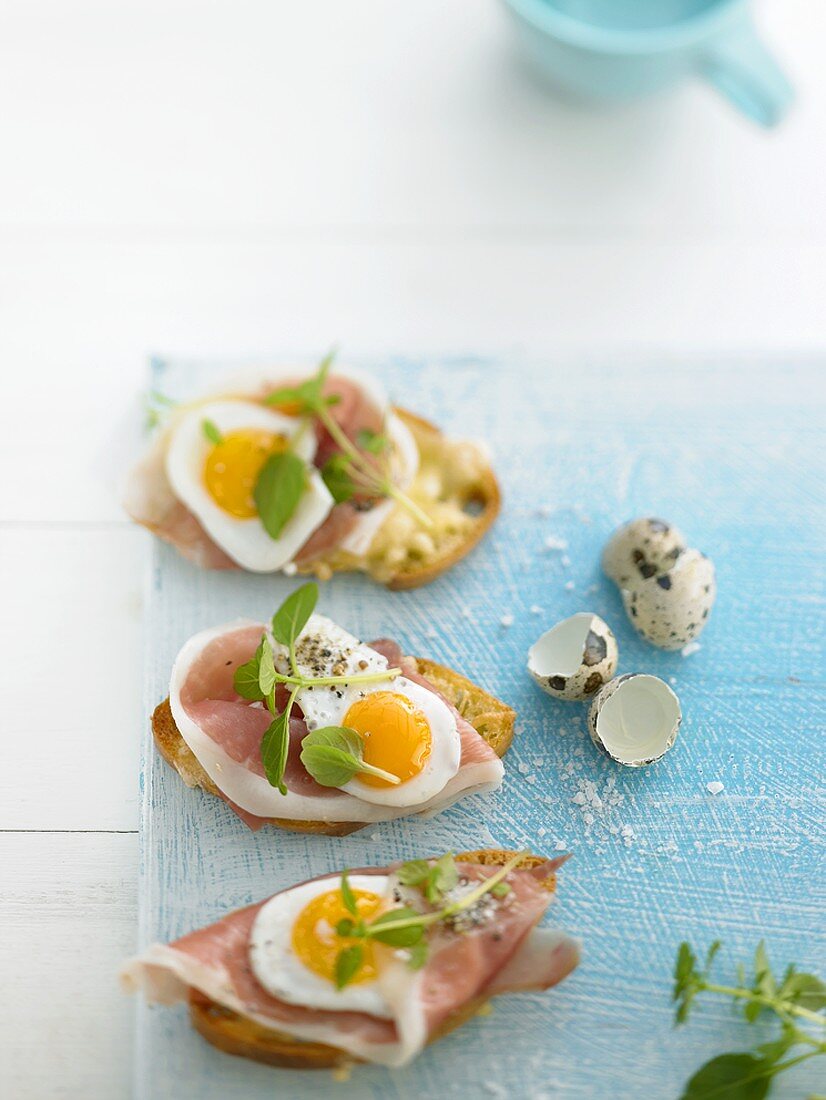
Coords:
731,451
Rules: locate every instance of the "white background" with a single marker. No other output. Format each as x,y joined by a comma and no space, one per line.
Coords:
243,177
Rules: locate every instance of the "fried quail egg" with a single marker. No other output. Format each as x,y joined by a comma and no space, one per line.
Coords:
215,478
635,719
294,945
640,549
406,729
575,658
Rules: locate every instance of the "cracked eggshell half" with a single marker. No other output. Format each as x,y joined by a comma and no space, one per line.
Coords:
641,548
670,609
575,658
635,719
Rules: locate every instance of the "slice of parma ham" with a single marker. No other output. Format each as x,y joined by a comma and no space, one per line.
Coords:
224,731
256,983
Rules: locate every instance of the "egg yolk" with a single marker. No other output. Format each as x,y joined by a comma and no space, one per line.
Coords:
396,735
233,465
316,942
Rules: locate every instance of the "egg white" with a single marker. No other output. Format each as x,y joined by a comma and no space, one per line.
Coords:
282,973
327,706
246,541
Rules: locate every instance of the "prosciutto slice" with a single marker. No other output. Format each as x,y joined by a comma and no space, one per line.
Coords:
205,700
150,500
503,953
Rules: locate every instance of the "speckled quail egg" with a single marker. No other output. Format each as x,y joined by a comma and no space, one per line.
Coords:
641,548
635,719
575,658
670,609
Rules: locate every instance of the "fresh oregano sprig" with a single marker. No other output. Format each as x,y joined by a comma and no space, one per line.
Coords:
795,999
405,926
356,467
258,678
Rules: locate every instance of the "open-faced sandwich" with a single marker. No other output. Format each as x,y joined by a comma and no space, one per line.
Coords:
299,724
312,475
370,965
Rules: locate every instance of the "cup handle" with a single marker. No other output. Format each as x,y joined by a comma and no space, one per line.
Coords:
742,69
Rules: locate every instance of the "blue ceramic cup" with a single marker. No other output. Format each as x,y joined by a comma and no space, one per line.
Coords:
615,49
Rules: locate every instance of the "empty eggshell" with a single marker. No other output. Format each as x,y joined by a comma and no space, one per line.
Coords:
635,719
575,658
640,549
671,608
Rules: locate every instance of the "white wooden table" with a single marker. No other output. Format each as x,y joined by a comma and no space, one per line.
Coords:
253,177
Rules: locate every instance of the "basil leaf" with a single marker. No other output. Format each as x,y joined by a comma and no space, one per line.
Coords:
805,990
329,766
335,475
418,955
275,745
245,679
291,617
278,490
414,872
266,667
348,897
397,937
211,431
348,964
371,441
730,1077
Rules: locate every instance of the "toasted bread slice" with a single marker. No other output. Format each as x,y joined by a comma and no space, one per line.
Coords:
455,486
245,1038
493,721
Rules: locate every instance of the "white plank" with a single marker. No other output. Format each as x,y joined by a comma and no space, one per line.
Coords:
72,679
162,114
67,910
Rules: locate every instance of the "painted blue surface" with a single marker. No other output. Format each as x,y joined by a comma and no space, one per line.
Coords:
613,49
732,453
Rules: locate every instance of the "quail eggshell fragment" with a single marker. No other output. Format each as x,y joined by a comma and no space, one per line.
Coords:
575,658
635,719
641,548
670,609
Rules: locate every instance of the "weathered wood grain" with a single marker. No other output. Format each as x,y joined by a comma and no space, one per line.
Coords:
727,449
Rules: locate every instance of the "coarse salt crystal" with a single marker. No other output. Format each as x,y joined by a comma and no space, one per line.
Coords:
569,586
554,543
506,620
692,647
715,787
544,510
536,609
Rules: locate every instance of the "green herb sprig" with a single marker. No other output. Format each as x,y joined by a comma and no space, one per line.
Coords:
794,999
158,406
405,926
356,467
334,751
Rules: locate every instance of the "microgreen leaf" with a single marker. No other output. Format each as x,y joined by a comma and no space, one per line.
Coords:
804,990
292,616
414,872
443,876
371,441
278,490
246,680
345,927
730,1077
266,667
348,897
418,955
397,937
348,964
275,745
212,432
335,473
500,890
334,754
